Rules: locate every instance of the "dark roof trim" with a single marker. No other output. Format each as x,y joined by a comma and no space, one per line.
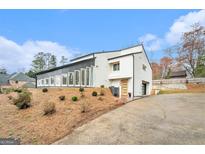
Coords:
124,55
60,67
104,52
147,56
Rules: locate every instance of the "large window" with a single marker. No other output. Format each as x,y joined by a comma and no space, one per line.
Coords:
64,80
83,77
70,76
87,76
47,82
116,67
52,81
42,82
77,78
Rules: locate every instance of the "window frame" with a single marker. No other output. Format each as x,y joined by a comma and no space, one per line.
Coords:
114,68
62,77
69,78
52,84
78,77
89,77
47,79
81,77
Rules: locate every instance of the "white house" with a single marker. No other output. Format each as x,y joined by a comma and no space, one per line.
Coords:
127,71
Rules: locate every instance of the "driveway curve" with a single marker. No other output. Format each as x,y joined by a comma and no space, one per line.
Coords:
162,119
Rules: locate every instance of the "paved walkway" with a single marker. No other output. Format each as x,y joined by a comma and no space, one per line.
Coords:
162,119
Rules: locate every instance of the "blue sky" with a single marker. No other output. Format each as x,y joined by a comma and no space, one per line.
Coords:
83,31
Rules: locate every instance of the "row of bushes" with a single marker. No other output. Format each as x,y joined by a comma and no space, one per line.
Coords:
9,90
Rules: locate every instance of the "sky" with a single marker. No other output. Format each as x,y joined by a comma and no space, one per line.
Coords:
24,33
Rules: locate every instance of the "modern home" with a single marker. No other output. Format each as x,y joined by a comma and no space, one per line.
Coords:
126,71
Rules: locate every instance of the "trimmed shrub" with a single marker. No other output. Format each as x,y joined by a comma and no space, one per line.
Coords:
94,93
102,86
81,89
62,98
74,98
102,93
18,90
1,92
49,108
44,90
23,100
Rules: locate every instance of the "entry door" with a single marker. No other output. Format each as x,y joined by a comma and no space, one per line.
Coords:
144,88
124,87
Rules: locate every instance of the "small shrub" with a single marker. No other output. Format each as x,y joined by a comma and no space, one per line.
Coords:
1,92
44,90
100,98
23,100
74,98
49,108
102,93
84,106
18,90
62,98
94,93
81,89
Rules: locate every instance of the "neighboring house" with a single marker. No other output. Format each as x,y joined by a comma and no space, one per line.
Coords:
127,71
20,79
16,80
178,74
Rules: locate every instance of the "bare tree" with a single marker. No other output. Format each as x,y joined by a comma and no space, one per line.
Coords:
189,52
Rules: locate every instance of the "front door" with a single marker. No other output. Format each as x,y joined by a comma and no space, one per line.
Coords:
124,87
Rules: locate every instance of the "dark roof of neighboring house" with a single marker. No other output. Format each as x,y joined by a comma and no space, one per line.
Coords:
29,85
21,77
4,78
178,74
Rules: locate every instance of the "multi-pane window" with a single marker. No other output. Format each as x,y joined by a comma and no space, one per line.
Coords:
47,81
52,81
83,77
42,82
70,78
116,67
64,80
77,78
87,76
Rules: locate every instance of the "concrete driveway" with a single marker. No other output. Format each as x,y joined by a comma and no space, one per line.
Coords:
162,119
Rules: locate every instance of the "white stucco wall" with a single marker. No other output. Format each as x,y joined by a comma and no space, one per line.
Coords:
142,75
101,69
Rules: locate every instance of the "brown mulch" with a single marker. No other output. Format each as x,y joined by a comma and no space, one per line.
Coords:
32,127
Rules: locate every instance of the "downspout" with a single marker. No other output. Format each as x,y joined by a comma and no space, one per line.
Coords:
133,78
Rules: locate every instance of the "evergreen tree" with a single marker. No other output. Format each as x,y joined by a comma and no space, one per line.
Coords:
52,61
64,60
39,63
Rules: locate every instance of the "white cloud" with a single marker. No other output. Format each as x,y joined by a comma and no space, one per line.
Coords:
182,24
14,56
151,42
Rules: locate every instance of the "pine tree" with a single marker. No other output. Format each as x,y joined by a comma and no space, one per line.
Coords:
39,64
64,60
52,61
